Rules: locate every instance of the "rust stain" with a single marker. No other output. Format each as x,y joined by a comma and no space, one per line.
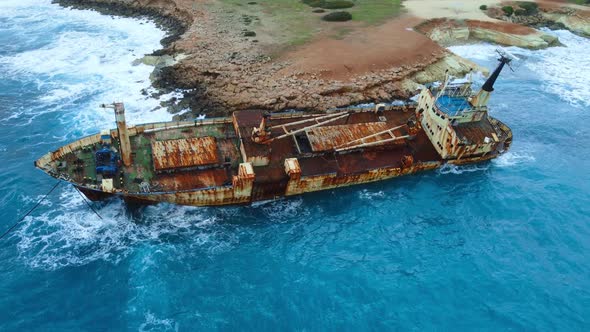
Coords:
192,180
298,186
474,132
184,153
329,137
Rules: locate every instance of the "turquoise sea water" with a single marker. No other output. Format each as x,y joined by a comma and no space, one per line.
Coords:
497,246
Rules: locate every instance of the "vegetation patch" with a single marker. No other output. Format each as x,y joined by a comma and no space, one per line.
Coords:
314,3
329,4
508,10
338,4
483,7
293,22
526,8
341,16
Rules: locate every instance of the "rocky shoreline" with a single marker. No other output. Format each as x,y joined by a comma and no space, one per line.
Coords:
174,23
547,15
219,70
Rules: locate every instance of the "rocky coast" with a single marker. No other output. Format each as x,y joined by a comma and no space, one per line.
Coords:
227,55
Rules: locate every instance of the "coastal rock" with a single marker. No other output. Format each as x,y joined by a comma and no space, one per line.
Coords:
574,22
535,40
564,16
452,64
451,32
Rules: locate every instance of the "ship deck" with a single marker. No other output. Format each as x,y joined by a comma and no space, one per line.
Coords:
190,156
155,161
208,155
323,160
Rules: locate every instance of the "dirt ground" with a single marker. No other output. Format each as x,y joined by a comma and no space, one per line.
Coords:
366,49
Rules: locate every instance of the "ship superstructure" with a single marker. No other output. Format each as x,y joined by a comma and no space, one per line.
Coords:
255,155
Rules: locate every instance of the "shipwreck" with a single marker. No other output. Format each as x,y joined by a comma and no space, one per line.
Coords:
255,155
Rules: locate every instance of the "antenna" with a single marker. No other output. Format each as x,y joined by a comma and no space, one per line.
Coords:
502,51
444,85
506,56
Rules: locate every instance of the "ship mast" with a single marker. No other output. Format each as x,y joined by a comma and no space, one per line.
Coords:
483,96
124,144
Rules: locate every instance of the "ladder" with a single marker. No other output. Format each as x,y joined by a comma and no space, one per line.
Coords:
362,142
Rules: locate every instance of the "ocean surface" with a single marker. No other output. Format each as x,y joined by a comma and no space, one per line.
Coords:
504,245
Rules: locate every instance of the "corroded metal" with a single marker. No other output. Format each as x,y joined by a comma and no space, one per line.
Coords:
331,137
184,153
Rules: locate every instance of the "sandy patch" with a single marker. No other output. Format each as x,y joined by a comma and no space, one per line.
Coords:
369,49
454,9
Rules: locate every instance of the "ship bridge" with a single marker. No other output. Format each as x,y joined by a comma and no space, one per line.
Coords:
456,120
453,97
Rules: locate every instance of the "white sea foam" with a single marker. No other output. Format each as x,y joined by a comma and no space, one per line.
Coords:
564,70
284,209
510,158
153,323
369,195
454,169
68,233
86,64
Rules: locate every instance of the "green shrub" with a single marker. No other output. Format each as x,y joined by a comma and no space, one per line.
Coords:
508,10
329,4
483,7
520,12
314,3
529,7
337,4
337,17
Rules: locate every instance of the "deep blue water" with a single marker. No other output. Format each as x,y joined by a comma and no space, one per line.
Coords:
503,245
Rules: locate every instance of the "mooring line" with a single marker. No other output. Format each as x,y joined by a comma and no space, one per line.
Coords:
87,203
30,211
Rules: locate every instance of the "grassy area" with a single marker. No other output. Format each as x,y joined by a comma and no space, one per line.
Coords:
375,11
292,22
581,2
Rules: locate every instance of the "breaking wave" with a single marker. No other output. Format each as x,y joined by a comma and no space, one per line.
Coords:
69,233
562,70
510,158
455,169
86,61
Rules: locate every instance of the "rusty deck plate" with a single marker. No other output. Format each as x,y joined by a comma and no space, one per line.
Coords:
330,137
475,132
180,153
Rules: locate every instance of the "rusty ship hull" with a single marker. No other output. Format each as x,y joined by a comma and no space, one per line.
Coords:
254,156
232,169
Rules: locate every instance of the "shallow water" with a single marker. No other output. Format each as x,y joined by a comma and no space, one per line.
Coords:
501,245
